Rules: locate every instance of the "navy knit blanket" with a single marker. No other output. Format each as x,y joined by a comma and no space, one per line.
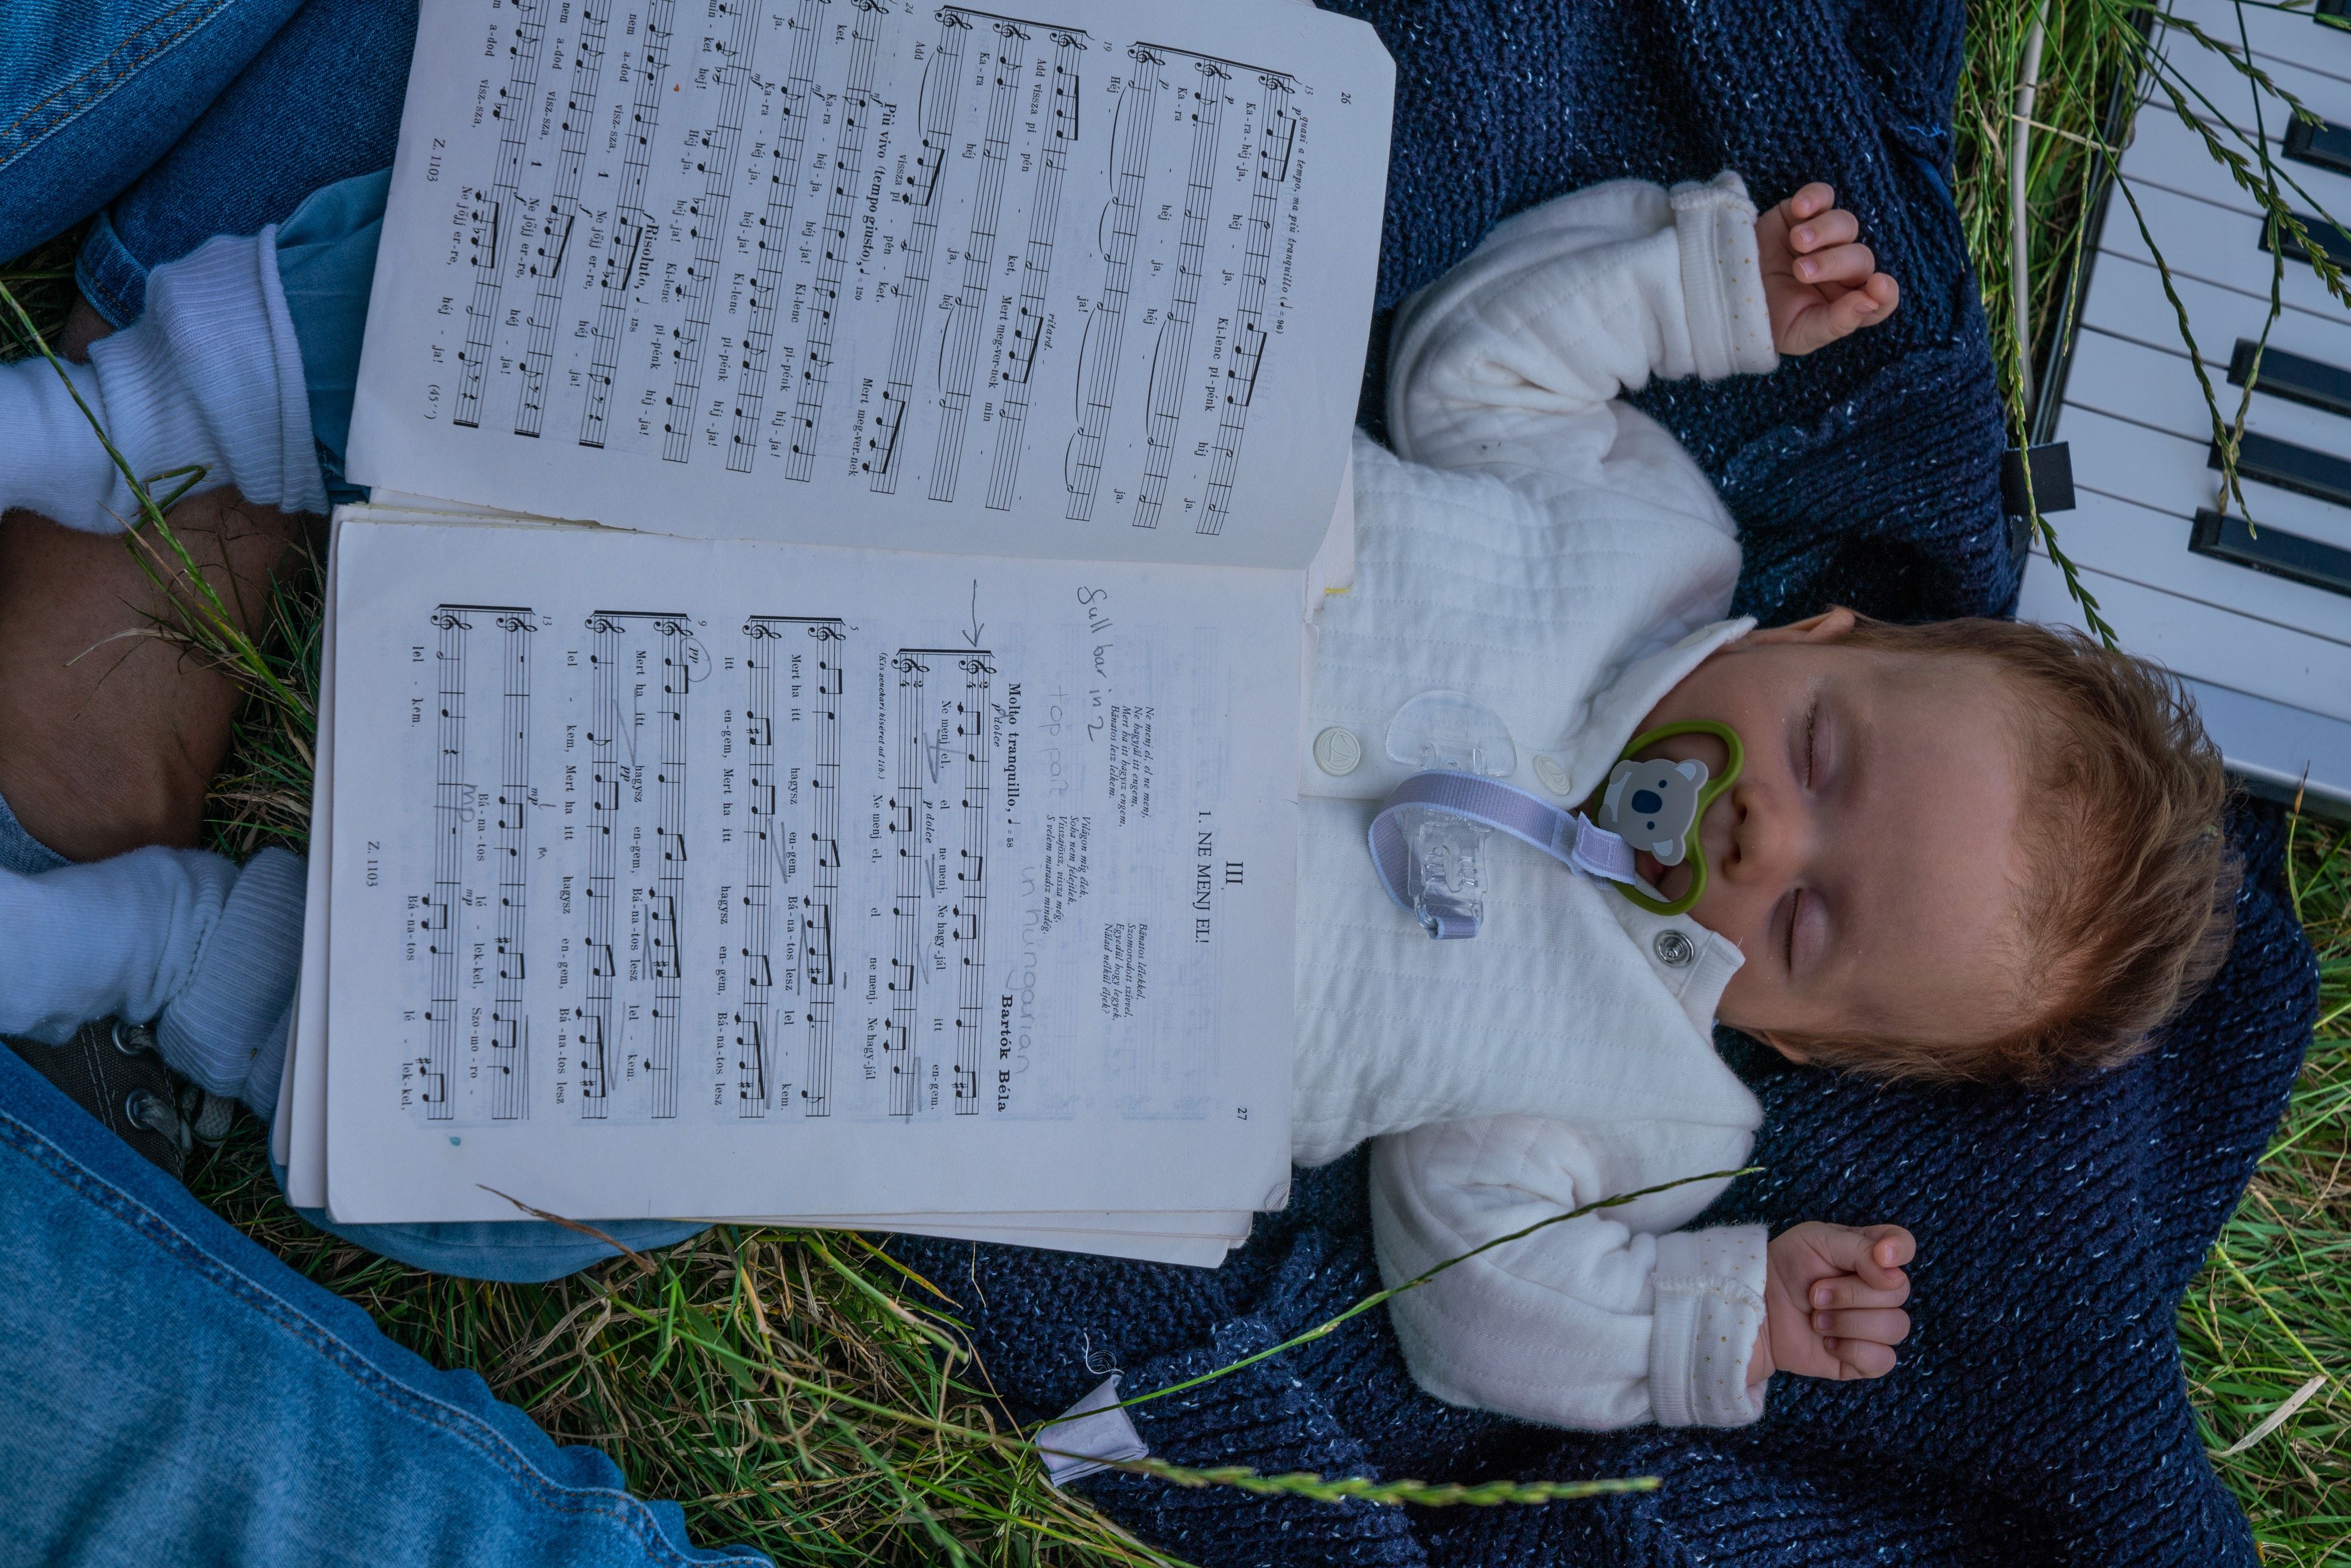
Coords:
2039,1414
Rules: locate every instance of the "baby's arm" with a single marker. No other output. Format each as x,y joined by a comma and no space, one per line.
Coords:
1586,1324
1590,1323
1511,360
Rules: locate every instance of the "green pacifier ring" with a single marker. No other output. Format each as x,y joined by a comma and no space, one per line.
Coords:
1695,851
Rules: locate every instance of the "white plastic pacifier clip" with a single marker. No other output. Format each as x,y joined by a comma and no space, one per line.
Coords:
1426,845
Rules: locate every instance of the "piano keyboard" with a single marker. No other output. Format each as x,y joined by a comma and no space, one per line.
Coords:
2254,616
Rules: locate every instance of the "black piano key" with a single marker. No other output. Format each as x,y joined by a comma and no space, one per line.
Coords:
2269,461
2273,551
2328,238
2292,377
2324,145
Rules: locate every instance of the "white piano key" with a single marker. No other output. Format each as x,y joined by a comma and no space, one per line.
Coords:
2202,642
2126,299
2148,547
2217,244
2151,387
2284,751
2320,78
2167,153
2283,36
2156,468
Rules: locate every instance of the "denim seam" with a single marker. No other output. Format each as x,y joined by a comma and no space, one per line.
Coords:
467,1428
103,248
99,92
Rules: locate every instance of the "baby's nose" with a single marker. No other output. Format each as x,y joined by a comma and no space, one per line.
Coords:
1762,841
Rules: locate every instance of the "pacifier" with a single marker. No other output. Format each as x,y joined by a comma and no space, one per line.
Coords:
1657,806
1427,841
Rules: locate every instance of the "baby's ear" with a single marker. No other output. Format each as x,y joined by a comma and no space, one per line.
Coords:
1826,627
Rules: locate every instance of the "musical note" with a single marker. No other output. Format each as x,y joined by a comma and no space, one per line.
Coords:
847,175
1278,124
960,359
630,220
942,80
1170,357
766,657
1036,270
1105,325
716,149
562,215
489,214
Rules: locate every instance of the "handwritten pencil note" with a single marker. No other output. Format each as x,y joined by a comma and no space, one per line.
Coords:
1091,283
726,878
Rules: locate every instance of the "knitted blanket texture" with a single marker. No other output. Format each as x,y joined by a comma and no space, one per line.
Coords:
2039,1414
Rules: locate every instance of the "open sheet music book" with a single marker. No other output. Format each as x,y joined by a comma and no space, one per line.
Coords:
886,816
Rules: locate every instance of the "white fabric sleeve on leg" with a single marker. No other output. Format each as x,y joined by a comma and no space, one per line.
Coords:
50,460
211,375
1586,1324
180,937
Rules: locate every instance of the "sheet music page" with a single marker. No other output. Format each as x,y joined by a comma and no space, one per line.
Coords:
686,877
1090,282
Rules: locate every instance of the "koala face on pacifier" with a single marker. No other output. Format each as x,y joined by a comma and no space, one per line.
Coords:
1654,806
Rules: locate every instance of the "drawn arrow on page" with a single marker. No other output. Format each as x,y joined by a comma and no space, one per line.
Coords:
972,636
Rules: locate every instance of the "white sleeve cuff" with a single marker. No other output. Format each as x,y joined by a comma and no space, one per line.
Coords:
1709,1309
1722,278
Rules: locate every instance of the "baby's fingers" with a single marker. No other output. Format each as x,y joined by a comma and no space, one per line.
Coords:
1810,201
1860,1357
1866,305
1881,1325
1844,1291
1838,263
1830,229
1889,1246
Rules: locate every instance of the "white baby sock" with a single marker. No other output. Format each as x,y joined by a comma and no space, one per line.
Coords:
211,375
227,1027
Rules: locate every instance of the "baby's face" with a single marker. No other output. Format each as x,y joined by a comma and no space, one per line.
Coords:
1866,861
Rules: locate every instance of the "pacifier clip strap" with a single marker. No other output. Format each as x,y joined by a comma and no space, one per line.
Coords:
1567,837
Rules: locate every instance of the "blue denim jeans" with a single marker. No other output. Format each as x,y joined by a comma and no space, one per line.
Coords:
173,120
172,1393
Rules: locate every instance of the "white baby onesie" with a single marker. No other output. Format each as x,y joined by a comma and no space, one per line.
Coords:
1554,553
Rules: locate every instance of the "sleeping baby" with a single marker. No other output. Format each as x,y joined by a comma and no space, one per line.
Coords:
1973,850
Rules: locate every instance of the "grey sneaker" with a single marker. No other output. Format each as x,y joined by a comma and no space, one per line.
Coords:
112,1070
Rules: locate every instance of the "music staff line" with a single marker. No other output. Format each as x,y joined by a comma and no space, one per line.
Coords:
456,809
793,672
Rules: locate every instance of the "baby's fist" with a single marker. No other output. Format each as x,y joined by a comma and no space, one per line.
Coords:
1820,283
1832,1302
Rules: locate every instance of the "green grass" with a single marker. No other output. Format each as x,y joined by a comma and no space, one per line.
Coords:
2273,1307
798,1392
